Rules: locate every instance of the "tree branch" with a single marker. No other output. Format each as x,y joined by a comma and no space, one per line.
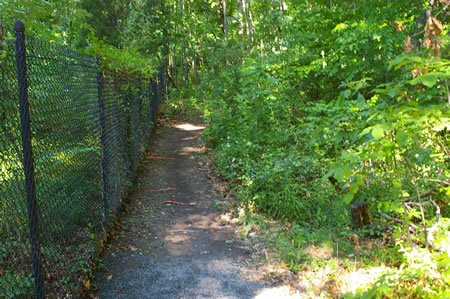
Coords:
428,192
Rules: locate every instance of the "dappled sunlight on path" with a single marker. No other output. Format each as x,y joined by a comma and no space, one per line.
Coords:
173,242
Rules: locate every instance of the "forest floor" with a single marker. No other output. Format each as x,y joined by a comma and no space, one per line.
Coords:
172,241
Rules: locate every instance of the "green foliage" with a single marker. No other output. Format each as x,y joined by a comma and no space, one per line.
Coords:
423,274
326,111
106,20
252,148
66,140
61,21
121,62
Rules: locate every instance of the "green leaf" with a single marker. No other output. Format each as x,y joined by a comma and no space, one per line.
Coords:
377,132
348,197
365,131
353,188
429,79
339,173
345,94
415,59
402,138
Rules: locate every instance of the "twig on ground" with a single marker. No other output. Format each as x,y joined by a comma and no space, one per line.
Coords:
150,157
411,226
180,203
160,190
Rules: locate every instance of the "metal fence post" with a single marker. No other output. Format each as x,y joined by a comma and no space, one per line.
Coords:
134,128
154,98
28,167
150,107
161,85
101,108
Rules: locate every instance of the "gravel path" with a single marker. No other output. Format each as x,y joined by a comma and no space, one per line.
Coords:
177,250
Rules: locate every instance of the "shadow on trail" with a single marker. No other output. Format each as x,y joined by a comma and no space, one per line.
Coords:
172,243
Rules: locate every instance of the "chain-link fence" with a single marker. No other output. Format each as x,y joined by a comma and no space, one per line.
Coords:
70,142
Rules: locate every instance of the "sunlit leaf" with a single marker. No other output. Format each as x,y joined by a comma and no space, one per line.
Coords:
377,132
402,137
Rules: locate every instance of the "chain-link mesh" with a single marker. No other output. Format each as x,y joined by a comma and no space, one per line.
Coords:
16,277
88,132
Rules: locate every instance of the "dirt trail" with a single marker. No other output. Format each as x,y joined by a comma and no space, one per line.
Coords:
178,250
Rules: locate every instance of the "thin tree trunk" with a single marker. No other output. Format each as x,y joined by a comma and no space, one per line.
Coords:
194,60
250,17
207,12
241,17
166,46
175,73
194,66
247,22
281,8
183,45
225,22
280,21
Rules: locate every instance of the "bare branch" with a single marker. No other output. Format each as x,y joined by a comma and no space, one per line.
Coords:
434,227
428,192
405,212
443,148
448,93
417,33
384,215
444,8
438,181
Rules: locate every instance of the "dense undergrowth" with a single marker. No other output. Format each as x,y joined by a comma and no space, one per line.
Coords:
342,110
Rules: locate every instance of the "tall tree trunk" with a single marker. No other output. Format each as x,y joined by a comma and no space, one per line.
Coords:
175,71
225,22
207,11
193,50
247,21
173,68
281,8
281,17
166,46
241,18
183,44
250,17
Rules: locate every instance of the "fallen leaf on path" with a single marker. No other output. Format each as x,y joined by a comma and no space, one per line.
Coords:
355,239
109,277
87,284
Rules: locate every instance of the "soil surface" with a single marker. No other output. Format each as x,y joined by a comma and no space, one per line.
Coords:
172,242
